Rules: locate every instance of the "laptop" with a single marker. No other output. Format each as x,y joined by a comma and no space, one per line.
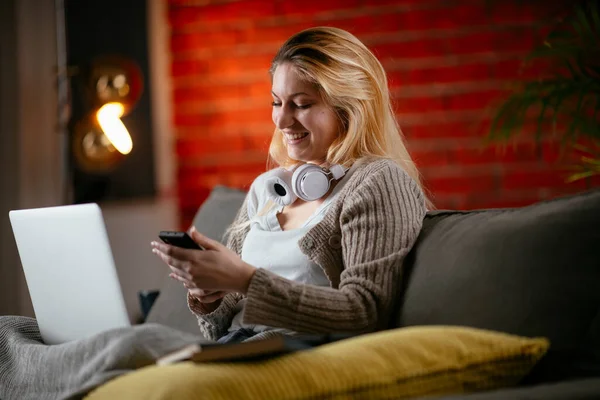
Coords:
69,270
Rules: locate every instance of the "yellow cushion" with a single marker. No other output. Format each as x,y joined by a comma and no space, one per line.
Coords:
399,363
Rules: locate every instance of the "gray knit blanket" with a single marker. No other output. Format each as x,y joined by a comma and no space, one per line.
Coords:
29,369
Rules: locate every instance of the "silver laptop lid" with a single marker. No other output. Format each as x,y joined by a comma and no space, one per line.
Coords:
70,272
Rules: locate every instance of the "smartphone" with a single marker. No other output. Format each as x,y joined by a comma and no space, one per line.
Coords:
179,239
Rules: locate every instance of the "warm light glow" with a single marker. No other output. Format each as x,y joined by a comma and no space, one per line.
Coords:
109,118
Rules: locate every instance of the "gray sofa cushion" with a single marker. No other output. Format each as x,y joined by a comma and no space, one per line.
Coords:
212,219
532,271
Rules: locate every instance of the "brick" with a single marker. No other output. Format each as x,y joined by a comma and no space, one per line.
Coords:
500,12
474,153
513,199
191,174
238,50
224,80
522,152
240,117
434,129
540,178
277,33
233,97
231,105
430,158
501,41
208,145
191,66
515,39
189,202
196,147
193,195
217,13
190,94
240,159
310,7
384,20
227,130
553,152
517,69
461,184
441,74
445,201
463,101
443,117
204,40
592,182
409,3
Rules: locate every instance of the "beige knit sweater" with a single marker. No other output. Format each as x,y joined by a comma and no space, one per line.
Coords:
360,244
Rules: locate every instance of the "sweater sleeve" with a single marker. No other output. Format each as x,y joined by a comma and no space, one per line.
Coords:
214,324
379,222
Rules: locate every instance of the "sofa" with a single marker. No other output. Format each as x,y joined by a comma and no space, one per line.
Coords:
531,271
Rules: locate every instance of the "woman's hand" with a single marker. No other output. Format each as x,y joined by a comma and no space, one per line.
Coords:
206,272
209,299
204,296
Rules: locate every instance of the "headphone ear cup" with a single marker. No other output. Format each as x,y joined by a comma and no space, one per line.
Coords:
310,182
279,187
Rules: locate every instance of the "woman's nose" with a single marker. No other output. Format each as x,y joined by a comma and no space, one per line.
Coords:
282,118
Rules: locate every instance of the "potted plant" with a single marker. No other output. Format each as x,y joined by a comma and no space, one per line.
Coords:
564,101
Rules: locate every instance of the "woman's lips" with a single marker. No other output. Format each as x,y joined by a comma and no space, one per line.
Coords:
295,138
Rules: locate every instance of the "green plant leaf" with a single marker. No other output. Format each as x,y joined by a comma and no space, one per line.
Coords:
567,94
581,175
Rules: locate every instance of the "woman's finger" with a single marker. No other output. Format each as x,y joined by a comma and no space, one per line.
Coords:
179,278
173,255
185,275
173,262
204,241
211,298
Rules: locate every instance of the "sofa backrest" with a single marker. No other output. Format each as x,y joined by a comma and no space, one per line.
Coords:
532,271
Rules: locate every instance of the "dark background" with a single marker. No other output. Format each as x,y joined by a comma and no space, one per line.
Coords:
107,27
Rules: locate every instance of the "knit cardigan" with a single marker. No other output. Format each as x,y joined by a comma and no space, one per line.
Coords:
361,244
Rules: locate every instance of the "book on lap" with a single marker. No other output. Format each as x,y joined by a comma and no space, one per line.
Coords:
254,350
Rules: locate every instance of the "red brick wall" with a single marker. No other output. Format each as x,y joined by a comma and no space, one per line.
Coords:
447,65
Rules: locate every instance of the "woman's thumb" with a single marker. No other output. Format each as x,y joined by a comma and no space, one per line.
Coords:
202,240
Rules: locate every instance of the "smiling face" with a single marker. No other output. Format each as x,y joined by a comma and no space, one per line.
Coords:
309,125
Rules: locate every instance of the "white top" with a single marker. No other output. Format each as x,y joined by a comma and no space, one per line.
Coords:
267,246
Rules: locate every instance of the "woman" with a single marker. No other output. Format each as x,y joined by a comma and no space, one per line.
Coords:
327,265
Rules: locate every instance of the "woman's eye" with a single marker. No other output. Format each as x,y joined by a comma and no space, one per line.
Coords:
298,106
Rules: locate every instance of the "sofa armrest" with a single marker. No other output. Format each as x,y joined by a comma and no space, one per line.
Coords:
580,389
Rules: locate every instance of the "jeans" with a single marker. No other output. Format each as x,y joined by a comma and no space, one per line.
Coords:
237,336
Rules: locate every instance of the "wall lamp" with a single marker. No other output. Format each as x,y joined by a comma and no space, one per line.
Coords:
112,85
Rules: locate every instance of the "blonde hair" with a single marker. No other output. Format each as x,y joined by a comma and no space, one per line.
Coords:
353,82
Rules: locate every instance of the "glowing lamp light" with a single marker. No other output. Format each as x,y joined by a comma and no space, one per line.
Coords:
109,119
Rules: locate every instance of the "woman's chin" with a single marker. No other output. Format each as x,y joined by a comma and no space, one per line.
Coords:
296,155
305,156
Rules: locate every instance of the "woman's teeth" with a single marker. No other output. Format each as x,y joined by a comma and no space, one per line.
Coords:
296,136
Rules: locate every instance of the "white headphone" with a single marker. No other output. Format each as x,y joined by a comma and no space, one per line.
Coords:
306,181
